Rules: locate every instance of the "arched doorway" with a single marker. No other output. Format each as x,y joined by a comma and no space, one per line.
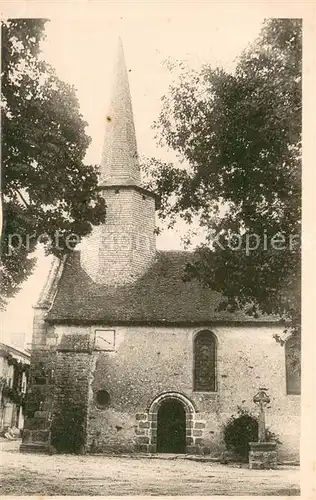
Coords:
171,427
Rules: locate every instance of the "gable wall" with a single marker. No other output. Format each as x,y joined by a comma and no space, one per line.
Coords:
149,361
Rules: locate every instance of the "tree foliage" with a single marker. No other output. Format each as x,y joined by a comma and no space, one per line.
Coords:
242,429
238,136
46,187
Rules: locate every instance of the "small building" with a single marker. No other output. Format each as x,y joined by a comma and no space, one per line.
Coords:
14,369
129,357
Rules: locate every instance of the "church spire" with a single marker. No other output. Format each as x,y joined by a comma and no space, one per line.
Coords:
122,249
119,164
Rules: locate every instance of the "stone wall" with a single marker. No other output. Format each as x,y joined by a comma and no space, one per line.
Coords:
72,375
40,399
148,362
57,399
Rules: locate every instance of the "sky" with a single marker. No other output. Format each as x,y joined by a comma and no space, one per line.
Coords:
82,46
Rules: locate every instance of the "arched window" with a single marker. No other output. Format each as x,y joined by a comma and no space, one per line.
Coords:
205,362
293,365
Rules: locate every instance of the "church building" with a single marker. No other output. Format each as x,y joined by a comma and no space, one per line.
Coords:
127,357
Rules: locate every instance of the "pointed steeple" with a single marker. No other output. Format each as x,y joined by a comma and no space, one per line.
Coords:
119,164
122,249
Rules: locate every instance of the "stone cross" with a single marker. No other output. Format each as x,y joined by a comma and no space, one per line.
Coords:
261,399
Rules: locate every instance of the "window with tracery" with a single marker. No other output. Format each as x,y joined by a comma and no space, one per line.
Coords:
205,362
293,365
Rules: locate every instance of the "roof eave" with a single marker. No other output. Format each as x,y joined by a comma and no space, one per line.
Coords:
50,287
140,189
215,322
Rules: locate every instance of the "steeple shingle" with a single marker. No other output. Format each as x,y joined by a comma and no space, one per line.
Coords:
119,164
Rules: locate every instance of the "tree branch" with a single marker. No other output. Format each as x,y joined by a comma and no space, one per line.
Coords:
22,198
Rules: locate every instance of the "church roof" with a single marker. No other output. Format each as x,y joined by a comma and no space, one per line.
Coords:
159,297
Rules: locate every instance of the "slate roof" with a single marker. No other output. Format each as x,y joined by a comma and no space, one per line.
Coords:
159,297
119,162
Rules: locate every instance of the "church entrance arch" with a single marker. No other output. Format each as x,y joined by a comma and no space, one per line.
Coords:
171,418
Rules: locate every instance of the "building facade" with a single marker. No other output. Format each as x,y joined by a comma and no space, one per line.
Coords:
129,357
14,368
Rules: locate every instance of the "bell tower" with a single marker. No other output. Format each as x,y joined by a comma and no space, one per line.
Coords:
120,250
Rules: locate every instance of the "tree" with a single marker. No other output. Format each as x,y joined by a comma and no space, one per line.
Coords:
48,193
239,138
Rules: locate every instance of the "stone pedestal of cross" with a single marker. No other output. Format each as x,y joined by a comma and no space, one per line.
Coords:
263,453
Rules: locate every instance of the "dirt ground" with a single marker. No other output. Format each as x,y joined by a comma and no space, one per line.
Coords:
28,474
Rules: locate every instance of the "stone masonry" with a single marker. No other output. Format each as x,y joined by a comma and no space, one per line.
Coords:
147,423
263,455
